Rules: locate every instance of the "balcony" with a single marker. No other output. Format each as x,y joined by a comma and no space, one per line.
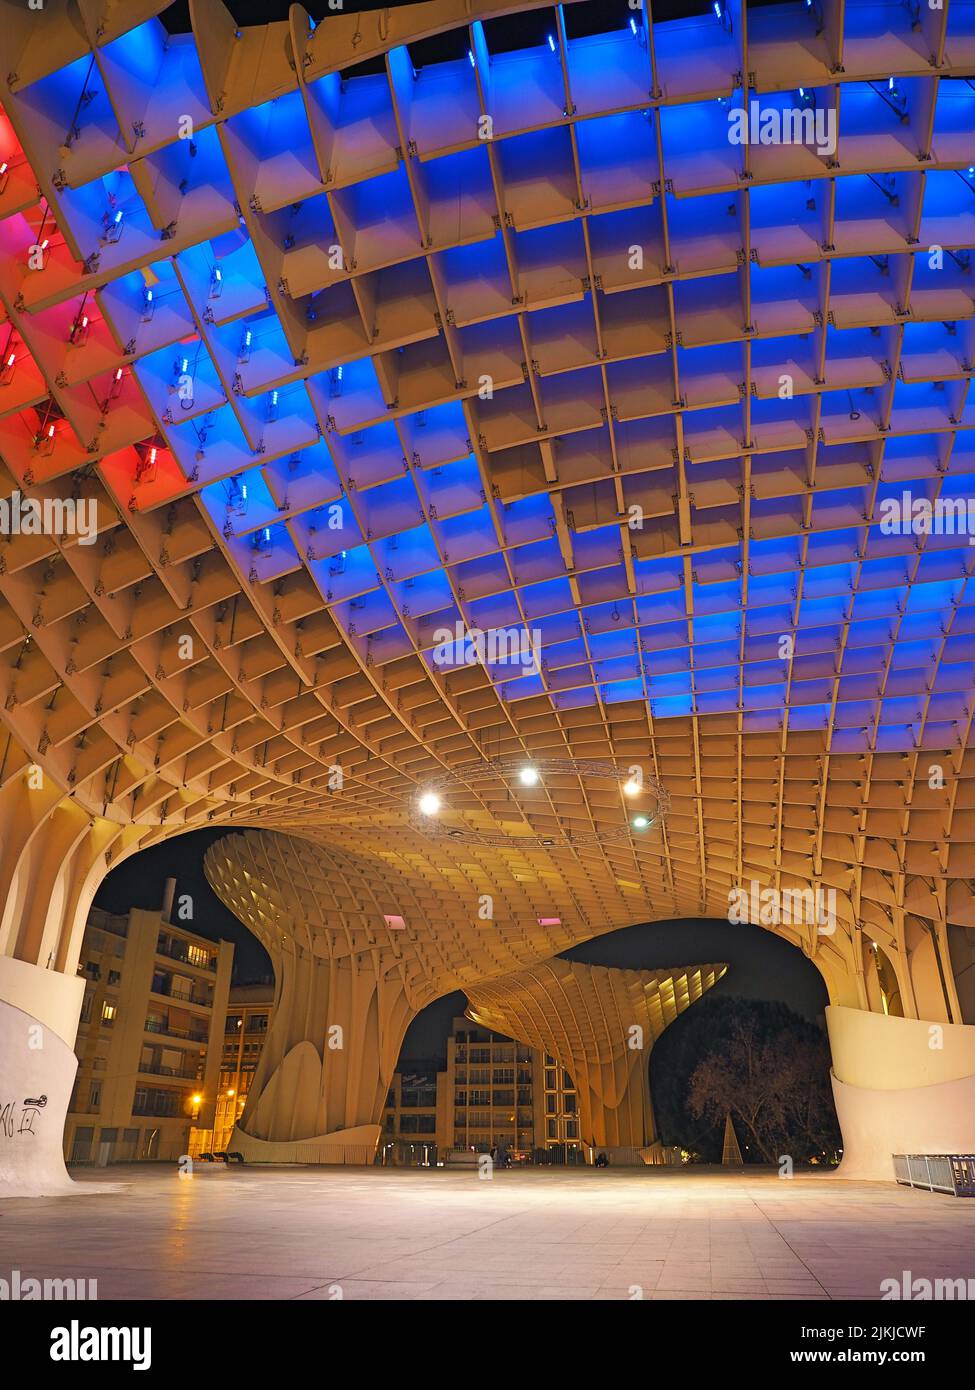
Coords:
189,996
166,1029
159,1109
177,1073
174,952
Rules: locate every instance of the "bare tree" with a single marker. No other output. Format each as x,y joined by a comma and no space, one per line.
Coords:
775,1086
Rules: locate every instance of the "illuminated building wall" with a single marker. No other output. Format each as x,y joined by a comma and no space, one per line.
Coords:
249,1010
149,1041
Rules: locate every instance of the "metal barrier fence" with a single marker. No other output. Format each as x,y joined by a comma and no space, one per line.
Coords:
953,1174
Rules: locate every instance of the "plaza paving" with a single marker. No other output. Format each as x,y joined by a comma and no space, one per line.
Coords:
288,1233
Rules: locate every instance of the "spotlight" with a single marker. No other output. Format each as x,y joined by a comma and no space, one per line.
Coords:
78,335
632,787
44,442
145,468
429,803
113,226
236,496
528,776
640,822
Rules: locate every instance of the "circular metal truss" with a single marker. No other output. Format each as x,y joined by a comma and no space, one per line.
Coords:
563,804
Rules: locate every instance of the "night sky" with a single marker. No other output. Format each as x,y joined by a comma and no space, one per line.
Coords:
761,965
586,16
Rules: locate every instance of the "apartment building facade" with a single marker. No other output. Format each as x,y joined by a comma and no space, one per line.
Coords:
149,1044
494,1094
244,1030
415,1114
505,1094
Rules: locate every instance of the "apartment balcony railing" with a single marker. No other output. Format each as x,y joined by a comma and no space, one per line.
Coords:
189,996
174,953
158,1110
194,1035
179,1073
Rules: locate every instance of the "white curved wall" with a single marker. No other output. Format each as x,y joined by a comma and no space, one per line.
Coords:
901,1085
356,1145
38,1065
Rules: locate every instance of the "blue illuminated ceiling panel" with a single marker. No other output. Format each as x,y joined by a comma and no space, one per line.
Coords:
354,347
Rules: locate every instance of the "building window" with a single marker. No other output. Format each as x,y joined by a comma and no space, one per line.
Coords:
418,1124
196,955
108,1013
81,1144
150,1101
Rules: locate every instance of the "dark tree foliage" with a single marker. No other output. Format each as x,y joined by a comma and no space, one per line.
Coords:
757,1059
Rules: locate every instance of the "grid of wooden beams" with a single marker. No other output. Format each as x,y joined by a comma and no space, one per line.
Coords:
614,381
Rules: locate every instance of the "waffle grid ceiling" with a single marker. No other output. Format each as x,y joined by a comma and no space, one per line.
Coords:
342,373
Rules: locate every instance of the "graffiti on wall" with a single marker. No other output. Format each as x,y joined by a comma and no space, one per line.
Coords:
28,1111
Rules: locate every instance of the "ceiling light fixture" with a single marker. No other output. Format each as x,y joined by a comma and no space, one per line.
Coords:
486,803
